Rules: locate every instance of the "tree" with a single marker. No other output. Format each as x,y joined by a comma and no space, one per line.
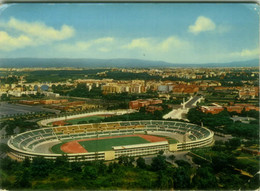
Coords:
163,181
204,179
222,160
254,183
9,130
23,179
234,143
40,167
181,178
159,163
4,97
144,180
172,157
141,163
125,160
90,172
26,162
4,148
158,114
142,110
183,163
61,161
161,152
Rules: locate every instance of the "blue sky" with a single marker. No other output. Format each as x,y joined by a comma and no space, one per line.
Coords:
172,32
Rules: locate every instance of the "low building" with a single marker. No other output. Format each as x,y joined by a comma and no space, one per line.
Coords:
51,101
238,108
137,104
211,109
153,108
29,102
185,89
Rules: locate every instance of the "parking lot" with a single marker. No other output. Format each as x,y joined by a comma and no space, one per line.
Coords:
14,109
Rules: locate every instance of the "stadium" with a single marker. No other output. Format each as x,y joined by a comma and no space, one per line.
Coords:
108,141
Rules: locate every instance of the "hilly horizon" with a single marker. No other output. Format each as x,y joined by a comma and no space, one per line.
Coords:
110,63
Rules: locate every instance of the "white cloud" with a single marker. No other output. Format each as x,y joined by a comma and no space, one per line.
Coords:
169,49
78,46
143,43
103,40
8,43
246,53
36,32
172,42
85,45
202,24
151,44
104,50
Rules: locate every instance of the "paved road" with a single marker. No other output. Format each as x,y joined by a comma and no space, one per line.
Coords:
180,112
192,101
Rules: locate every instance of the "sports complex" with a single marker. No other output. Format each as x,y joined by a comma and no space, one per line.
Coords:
108,141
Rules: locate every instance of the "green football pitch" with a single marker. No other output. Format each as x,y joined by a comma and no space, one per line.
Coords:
106,144
87,119
57,149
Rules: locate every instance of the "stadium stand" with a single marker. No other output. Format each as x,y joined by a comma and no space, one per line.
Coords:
24,144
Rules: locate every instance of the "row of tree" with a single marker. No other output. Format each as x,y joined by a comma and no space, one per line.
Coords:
125,173
223,123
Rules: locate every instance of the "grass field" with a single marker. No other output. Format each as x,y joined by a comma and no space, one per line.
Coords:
106,144
56,149
172,141
87,119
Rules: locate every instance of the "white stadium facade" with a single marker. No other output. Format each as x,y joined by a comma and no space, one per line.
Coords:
38,142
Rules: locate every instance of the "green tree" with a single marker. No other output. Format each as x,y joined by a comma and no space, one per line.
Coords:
26,162
40,167
126,160
172,157
22,179
234,143
204,179
181,178
140,162
222,160
61,161
90,172
4,148
4,97
159,163
183,163
163,181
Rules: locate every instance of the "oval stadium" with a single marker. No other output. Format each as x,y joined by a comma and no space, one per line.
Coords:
108,141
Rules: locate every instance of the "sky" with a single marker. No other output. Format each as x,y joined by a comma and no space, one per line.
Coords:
171,32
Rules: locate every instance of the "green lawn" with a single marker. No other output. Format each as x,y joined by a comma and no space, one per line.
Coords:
172,141
87,119
106,144
56,149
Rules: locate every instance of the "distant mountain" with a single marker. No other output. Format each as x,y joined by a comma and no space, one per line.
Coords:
108,63
247,63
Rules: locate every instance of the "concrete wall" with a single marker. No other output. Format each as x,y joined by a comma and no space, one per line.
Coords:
109,155
173,147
